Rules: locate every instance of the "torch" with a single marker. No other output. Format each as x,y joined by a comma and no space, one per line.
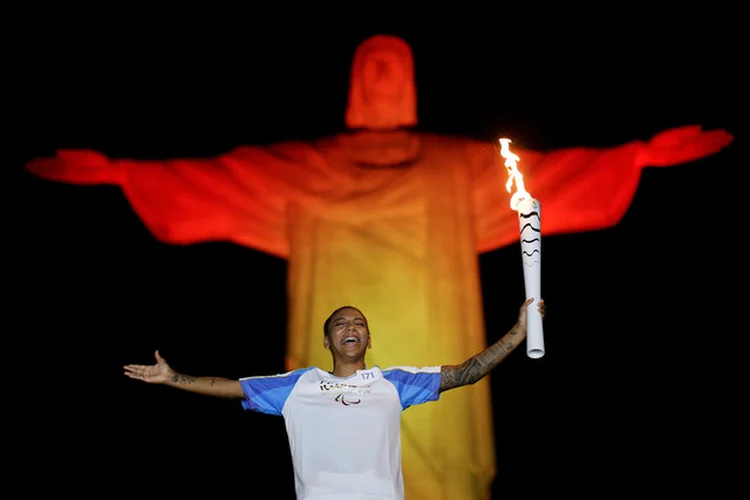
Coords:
530,226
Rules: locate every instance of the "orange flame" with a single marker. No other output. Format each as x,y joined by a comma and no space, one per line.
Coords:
514,176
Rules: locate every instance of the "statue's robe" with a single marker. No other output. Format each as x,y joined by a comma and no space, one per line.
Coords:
392,223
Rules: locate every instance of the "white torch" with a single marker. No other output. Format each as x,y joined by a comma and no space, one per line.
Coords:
530,225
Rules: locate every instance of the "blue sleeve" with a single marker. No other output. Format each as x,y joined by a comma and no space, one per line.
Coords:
415,385
268,394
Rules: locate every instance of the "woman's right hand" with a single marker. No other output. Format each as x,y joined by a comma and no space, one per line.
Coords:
158,373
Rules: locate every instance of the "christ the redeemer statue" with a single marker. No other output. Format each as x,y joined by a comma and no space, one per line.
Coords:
391,221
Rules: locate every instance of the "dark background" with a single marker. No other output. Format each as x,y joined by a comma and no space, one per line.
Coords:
641,387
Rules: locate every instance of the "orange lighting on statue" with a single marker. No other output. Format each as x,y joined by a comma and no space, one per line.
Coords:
530,230
391,220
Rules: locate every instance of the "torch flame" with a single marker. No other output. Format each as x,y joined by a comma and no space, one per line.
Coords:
514,176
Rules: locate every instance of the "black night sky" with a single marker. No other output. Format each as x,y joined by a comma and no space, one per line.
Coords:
638,390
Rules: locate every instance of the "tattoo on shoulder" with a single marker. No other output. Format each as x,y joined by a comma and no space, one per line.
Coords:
450,377
476,367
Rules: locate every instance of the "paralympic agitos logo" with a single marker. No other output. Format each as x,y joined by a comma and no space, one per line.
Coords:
346,401
345,394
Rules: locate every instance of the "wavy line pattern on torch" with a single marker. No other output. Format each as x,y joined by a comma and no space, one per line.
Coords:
528,224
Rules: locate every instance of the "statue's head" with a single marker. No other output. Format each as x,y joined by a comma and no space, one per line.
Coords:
382,94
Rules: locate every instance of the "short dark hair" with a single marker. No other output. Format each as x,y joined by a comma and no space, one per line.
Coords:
327,324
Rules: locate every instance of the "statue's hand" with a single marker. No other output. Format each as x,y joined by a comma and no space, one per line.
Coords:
681,145
76,166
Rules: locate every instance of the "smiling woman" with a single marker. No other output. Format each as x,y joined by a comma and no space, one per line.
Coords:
328,468
347,336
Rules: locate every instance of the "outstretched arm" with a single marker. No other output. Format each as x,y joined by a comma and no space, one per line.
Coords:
579,188
240,196
479,365
162,373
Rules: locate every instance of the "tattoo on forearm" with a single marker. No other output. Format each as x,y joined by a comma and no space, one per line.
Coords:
476,367
182,379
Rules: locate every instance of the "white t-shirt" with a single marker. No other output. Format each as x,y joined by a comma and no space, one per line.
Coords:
344,433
